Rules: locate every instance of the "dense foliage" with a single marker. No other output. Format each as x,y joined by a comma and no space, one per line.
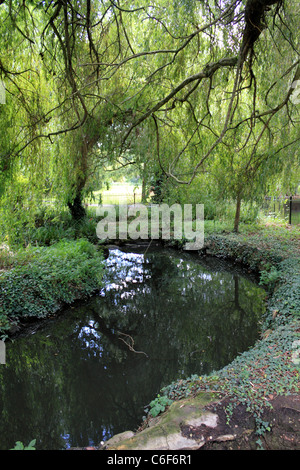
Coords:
198,97
42,280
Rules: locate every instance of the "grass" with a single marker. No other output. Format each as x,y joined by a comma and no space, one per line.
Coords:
118,193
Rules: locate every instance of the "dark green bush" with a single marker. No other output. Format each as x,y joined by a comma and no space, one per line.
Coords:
43,279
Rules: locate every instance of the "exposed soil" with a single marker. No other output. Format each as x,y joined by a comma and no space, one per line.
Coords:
238,432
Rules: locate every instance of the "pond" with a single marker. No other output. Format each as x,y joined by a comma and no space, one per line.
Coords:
88,374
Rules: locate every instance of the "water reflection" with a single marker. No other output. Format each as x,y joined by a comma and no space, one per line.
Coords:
87,375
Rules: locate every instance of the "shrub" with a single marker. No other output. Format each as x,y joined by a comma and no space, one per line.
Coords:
20,446
43,279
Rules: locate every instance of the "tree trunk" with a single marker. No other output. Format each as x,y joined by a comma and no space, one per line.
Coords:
143,175
76,208
237,213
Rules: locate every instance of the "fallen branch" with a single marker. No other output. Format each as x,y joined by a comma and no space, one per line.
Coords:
132,343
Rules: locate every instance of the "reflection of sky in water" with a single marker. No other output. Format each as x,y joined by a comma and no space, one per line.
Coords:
124,268
131,268
91,339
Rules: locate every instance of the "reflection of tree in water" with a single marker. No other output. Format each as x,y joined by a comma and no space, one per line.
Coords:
75,381
178,309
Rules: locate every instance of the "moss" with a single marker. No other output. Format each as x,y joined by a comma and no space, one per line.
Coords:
164,432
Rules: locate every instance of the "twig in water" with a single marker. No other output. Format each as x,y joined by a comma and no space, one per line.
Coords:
148,246
132,343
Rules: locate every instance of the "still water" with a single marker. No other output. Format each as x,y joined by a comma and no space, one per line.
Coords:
88,374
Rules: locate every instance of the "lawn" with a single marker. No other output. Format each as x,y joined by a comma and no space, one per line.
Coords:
118,193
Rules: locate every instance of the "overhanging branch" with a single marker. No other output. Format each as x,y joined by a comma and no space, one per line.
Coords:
207,72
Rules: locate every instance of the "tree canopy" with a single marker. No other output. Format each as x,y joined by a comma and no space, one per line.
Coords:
189,91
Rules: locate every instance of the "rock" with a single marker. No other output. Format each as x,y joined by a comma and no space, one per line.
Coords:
165,433
118,438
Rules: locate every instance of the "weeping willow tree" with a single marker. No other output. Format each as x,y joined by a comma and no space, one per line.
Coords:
79,41
23,119
67,118
181,89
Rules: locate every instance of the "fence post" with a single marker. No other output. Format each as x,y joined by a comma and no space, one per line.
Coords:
290,215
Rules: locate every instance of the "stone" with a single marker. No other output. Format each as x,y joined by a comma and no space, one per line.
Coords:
118,438
164,432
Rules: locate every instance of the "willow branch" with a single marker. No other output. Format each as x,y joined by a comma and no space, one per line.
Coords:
208,71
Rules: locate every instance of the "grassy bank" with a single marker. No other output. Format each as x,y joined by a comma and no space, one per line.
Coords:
37,281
